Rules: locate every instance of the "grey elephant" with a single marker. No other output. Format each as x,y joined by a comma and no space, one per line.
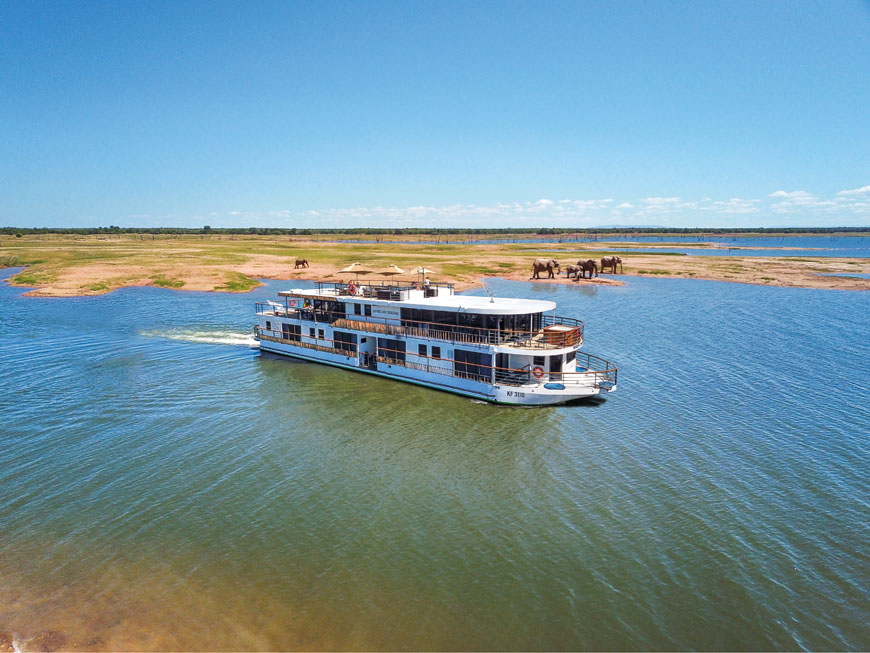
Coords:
589,266
574,270
551,266
611,262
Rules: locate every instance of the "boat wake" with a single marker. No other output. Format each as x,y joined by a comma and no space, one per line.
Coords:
208,337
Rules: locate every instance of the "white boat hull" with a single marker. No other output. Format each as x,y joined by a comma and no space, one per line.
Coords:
523,395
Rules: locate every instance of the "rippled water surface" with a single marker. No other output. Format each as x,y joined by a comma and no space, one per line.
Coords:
163,485
810,245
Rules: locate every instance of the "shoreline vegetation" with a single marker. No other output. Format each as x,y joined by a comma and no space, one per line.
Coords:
67,263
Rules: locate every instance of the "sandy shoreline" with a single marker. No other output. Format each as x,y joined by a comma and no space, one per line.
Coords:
80,266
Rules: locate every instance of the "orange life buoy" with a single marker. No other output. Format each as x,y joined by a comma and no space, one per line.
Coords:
351,289
538,372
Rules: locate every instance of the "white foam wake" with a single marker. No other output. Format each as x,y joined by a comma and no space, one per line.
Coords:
210,337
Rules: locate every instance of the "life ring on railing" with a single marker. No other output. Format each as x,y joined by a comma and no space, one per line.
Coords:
351,289
538,372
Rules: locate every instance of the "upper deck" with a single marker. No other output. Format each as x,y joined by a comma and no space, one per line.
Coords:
433,313
436,296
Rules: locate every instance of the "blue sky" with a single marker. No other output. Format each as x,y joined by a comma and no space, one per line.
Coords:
426,114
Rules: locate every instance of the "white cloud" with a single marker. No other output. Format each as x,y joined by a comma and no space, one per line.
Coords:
790,195
855,192
781,207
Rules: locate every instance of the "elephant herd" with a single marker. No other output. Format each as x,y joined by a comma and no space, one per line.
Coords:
552,268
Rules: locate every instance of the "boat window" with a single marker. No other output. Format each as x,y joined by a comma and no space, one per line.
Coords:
311,332
538,360
345,341
571,355
291,331
412,316
368,309
556,368
320,333
436,352
421,350
392,350
357,309
268,325
472,365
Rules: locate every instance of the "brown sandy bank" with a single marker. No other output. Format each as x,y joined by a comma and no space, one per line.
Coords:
64,266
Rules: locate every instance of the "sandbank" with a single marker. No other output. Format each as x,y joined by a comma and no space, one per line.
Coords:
69,266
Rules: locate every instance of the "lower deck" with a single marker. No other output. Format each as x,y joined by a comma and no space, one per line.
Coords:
468,372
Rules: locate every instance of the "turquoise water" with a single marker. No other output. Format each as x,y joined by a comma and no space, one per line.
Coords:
709,251
810,245
163,485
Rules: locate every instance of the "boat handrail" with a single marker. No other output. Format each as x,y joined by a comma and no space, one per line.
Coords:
469,335
500,375
393,289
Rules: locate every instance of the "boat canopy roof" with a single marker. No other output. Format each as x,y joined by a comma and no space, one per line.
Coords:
454,303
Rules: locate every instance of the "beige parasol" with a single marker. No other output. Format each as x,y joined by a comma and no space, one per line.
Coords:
421,271
357,269
391,271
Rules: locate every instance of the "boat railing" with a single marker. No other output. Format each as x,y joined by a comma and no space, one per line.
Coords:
552,320
569,335
335,347
380,289
466,335
591,370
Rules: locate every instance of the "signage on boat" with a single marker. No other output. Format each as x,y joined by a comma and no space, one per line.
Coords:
385,311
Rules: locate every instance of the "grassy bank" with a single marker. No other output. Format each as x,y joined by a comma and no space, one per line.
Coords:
68,265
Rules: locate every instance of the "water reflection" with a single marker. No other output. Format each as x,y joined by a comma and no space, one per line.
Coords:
164,486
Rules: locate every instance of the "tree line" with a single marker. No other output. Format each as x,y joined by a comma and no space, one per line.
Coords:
414,231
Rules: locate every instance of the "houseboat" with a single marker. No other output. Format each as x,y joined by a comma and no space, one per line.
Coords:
501,350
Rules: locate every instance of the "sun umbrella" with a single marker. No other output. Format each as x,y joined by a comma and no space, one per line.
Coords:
391,271
357,269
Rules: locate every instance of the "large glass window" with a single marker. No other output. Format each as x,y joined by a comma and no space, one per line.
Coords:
291,331
345,341
472,364
393,350
556,367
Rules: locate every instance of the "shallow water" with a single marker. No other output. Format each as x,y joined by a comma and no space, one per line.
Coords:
163,485
811,245
851,275
710,251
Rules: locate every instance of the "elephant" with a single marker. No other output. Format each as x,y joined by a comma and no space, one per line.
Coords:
542,264
575,270
589,266
301,263
611,262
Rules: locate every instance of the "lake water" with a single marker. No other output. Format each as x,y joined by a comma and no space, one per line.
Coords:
811,245
164,486
699,251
